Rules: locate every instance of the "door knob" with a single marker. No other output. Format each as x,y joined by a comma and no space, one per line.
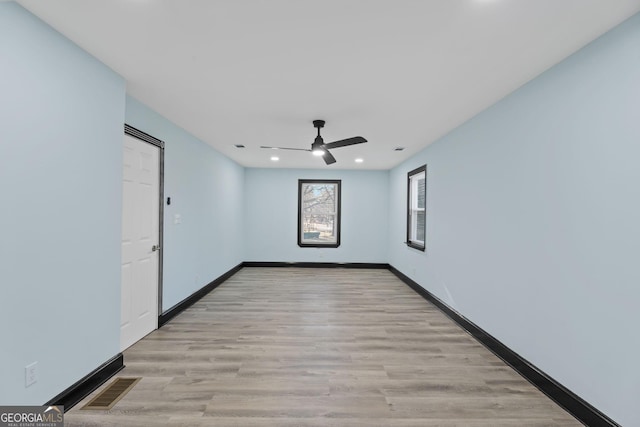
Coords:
155,248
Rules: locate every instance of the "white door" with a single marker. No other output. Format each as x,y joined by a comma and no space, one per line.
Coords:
140,240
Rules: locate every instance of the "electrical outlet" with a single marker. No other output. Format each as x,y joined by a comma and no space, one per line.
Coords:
31,374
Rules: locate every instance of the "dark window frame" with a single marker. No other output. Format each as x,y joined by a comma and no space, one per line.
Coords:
337,226
409,242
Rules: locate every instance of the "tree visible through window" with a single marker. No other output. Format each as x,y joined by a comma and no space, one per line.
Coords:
319,213
416,207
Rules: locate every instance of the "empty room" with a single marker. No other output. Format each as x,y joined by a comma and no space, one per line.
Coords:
339,213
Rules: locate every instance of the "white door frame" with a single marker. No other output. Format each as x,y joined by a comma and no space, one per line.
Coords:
138,134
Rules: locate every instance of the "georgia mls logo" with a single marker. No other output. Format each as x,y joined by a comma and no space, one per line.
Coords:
31,416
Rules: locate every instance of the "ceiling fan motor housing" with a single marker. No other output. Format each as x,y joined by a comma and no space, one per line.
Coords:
317,144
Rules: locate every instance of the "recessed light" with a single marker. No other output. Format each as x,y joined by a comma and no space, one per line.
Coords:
239,146
275,158
398,149
359,160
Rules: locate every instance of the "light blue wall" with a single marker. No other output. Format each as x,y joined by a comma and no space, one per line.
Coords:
61,115
206,191
271,216
533,227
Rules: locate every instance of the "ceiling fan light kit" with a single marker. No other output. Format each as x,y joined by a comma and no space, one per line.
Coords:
319,148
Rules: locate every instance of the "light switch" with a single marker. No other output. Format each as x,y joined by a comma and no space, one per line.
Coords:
177,219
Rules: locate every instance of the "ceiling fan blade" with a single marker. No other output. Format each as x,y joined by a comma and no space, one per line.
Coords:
285,148
328,157
345,142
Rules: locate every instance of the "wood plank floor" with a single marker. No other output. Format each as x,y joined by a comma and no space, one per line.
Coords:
319,347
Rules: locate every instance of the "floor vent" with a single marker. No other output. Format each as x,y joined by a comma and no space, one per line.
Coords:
112,394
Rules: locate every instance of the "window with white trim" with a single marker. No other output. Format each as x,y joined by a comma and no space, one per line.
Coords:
417,207
319,213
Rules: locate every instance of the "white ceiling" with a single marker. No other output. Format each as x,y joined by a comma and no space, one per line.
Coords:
257,72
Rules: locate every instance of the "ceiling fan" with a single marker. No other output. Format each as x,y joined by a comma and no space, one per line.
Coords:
319,148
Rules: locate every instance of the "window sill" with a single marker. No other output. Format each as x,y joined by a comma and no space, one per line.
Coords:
318,245
415,246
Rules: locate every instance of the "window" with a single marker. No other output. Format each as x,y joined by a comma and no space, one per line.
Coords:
416,207
319,213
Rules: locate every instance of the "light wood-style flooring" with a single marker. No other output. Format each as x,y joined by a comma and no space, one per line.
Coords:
319,347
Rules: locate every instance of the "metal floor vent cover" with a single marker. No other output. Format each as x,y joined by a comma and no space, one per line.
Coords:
112,394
